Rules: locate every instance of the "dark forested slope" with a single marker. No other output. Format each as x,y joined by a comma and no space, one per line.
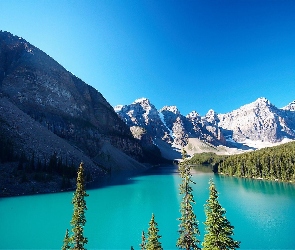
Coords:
274,163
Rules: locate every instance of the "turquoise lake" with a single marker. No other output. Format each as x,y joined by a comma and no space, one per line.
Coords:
262,212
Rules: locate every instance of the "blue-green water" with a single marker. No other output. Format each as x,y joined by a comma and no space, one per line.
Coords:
263,213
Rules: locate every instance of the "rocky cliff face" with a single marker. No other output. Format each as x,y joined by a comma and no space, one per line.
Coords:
63,104
60,101
177,125
207,127
142,113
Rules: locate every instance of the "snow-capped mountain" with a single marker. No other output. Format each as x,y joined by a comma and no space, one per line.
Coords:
257,121
169,125
141,113
290,106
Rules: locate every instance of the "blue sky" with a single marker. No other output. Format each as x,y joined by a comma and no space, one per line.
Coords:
197,55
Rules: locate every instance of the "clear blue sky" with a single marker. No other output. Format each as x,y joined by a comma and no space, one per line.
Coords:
197,55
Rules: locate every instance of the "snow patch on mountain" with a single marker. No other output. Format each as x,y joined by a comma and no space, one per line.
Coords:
163,121
264,144
118,108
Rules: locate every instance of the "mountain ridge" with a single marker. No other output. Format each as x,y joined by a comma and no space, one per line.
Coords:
259,120
40,97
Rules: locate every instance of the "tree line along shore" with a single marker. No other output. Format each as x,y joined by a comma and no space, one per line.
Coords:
273,163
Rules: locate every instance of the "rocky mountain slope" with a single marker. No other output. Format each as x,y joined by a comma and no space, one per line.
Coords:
47,110
258,121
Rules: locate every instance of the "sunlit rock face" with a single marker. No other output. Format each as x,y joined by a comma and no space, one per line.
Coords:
143,114
259,120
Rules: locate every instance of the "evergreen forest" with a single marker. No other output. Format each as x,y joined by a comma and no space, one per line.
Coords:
210,160
274,163
27,167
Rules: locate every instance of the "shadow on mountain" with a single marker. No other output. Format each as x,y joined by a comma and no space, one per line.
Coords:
231,143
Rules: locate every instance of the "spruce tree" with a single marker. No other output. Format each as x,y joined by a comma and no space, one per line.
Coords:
188,227
77,240
218,230
153,242
66,244
78,220
143,241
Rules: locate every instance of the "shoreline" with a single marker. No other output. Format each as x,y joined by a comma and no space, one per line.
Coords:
257,178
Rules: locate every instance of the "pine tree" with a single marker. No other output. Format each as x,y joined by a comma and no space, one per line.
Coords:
66,244
78,220
143,241
218,230
188,227
77,240
153,242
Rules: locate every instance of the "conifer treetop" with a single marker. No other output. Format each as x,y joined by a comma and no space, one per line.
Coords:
77,240
188,227
153,242
218,230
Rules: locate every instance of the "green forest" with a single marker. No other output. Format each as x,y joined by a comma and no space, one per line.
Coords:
211,160
273,163
31,168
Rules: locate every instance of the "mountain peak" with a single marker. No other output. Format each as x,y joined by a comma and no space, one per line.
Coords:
262,100
211,113
142,100
260,103
16,42
172,109
290,106
193,114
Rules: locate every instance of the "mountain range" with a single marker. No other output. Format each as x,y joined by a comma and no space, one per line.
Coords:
252,126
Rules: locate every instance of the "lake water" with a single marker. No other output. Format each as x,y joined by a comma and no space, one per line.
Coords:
263,213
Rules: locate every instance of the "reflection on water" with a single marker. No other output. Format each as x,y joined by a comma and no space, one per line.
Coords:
260,186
